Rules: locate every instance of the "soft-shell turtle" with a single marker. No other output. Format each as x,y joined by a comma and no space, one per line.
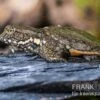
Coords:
52,43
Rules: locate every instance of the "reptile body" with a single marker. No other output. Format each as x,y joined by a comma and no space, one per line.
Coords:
51,43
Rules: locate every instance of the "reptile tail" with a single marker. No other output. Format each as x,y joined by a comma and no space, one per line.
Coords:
74,52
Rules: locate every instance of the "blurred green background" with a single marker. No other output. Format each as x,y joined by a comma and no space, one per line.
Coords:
94,7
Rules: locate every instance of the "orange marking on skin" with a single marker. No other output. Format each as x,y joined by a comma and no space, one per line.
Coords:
74,52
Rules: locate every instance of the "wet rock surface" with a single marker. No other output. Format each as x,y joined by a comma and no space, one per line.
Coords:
26,77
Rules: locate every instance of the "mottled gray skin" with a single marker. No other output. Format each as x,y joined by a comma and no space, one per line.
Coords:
51,43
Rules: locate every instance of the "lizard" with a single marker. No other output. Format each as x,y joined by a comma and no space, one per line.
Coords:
54,43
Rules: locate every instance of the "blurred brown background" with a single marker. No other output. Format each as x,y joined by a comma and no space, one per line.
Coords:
82,14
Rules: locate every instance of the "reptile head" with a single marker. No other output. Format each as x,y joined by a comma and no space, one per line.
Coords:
23,38
4,40
7,34
19,33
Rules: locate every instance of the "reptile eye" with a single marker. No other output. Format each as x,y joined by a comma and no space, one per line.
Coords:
9,29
